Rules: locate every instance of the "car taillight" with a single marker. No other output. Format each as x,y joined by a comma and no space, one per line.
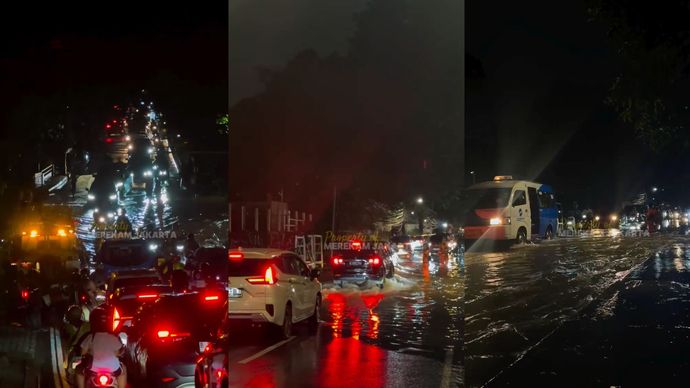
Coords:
375,260
147,296
171,336
25,295
109,140
234,256
337,260
268,278
167,379
104,380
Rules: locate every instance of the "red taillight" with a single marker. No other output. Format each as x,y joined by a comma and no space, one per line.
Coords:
104,380
211,297
268,278
107,126
25,294
109,140
167,335
375,260
337,260
235,256
147,296
167,379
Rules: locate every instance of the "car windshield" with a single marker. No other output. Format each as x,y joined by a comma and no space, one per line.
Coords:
125,255
138,281
494,198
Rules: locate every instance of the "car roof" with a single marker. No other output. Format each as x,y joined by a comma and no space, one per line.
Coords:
135,273
261,253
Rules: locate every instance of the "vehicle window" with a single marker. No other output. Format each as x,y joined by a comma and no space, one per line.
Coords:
486,198
546,200
248,267
303,269
519,198
291,265
132,282
125,255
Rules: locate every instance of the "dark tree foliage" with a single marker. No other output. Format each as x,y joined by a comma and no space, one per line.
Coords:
381,121
653,41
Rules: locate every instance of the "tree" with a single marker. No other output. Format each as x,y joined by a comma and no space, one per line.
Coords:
653,42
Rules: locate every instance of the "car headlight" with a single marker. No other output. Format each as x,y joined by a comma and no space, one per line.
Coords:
131,174
91,197
111,215
118,185
162,173
155,167
150,150
180,247
101,219
499,221
112,197
147,173
128,138
130,147
153,247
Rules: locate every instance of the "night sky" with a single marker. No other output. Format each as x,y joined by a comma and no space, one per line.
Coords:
104,55
539,110
268,33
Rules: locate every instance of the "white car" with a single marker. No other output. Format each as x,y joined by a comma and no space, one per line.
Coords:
272,286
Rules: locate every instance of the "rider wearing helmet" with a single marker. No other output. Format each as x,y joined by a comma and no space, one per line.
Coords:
103,348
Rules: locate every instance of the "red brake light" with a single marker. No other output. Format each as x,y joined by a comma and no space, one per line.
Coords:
108,126
235,256
375,260
147,296
167,379
211,297
163,333
103,380
25,294
337,260
268,278
109,140
171,336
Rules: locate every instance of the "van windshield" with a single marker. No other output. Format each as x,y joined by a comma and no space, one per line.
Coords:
487,198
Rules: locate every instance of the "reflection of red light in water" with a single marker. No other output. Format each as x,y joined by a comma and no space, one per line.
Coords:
264,379
373,326
372,300
336,307
347,362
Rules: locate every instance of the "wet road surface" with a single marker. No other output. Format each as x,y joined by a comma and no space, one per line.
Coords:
531,298
408,334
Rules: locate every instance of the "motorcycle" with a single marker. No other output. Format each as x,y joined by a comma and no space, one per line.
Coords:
100,379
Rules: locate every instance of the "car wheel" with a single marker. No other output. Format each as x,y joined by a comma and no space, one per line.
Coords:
314,320
286,328
521,236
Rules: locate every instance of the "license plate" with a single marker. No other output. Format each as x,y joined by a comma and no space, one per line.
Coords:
235,293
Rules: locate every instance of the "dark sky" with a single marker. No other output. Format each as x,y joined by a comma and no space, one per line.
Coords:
268,33
177,52
541,103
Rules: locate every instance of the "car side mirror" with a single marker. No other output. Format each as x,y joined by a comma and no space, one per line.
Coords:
314,273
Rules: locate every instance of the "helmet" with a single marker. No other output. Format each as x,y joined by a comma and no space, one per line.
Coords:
100,320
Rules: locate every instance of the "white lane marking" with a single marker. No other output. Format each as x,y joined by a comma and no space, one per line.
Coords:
60,358
447,369
268,349
53,360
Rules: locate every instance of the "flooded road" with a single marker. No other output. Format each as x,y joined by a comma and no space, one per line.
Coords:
408,334
516,299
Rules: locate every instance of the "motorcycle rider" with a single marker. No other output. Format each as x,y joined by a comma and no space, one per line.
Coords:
87,299
100,226
101,350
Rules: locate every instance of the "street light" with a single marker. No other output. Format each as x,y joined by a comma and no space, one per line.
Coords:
614,217
596,218
654,189
473,177
420,200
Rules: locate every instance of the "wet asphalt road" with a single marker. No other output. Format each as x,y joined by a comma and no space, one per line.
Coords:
575,312
408,334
